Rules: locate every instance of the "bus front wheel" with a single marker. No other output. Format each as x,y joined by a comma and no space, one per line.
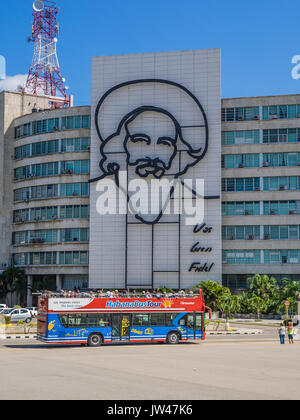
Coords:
95,340
173,338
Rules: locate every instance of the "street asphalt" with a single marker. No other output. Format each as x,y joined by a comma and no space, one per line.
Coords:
223,367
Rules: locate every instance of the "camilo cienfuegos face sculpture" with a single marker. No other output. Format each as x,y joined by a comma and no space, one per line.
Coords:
149,142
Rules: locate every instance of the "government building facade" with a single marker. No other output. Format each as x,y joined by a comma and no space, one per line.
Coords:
247,150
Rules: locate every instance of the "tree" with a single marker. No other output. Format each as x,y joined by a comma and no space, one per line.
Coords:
214,294
13,280
257,304
267,289
290,289
229,304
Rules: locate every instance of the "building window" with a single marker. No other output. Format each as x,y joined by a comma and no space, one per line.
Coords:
240,184
281,232
243,208
281,112
241,256
281,207
240,114
75,235
75,167
281,183
73,190
240,137
75,145
274,256
73,258
281,159
232,233
287,135
240,161
74,212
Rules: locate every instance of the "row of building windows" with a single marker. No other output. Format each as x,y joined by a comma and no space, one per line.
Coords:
281,112
240,281
240,114
77,167
52,146
256,256
231,233
252,160
52,191
53,124
51,258
268,113
39,214
285,135
51,236
275,183
253,208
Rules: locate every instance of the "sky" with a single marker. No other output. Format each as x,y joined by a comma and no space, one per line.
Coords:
258,39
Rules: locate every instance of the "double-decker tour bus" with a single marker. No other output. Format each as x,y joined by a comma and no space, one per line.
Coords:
94,321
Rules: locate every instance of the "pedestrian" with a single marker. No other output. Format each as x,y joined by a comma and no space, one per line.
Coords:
281,332
291,333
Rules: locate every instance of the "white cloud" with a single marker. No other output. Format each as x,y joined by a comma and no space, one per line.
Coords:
12,83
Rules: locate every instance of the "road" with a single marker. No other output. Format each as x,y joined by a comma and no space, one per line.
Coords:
238,367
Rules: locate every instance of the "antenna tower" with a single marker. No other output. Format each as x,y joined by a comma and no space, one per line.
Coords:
44,76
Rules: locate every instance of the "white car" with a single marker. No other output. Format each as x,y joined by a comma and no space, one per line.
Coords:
33,310
16,315
3,306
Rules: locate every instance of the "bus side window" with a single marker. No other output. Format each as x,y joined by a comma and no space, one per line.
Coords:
182,321
141,320
63,319
104,320
170,318
158,320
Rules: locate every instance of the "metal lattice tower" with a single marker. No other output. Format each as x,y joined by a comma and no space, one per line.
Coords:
44,76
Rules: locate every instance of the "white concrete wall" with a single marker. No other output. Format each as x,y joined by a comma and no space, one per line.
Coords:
198,71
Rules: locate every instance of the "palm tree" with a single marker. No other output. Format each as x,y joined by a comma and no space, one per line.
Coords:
214,293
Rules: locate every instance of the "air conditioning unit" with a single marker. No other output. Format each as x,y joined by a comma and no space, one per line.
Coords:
274,117
266,164
281,188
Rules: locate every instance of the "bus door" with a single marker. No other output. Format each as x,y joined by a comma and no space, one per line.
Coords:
194,325
120,327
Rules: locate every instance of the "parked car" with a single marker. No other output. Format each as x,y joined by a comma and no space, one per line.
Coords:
33,310
3,306
16,315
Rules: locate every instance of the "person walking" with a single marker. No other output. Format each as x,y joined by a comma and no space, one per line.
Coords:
291,333
281,332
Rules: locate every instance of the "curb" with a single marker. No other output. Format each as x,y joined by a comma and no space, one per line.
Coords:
235,333
18,337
